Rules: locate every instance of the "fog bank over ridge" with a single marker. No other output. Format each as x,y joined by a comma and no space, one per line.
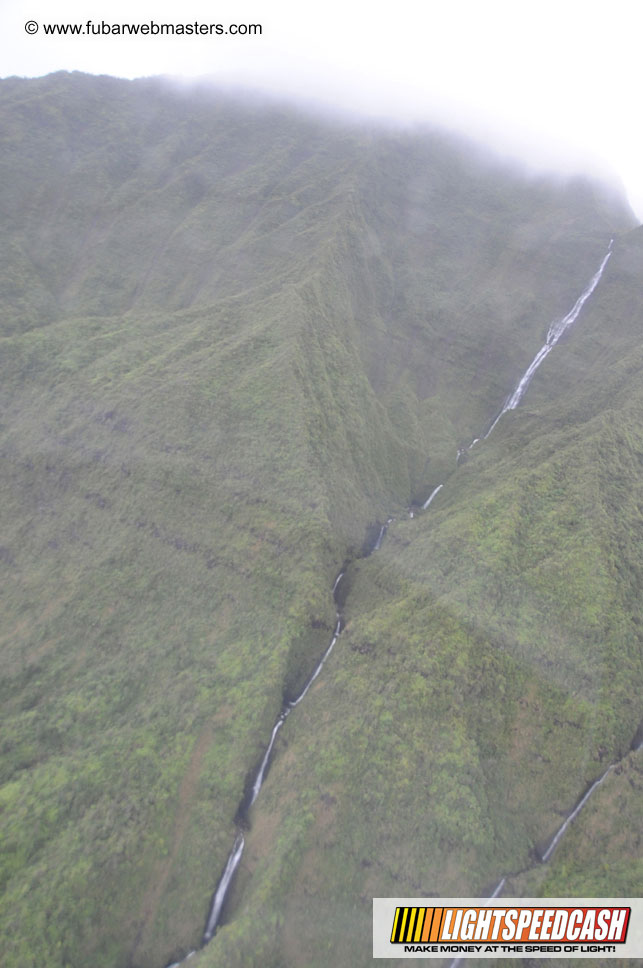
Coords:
556,85
516,145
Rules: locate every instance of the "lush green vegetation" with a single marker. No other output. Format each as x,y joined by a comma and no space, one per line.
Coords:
235,338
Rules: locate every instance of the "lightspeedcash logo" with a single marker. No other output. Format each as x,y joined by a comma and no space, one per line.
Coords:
509,925
522,927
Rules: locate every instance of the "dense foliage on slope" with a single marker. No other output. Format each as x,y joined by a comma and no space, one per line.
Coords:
490,670
235,338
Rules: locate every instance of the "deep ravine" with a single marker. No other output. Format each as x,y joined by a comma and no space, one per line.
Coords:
234,857
555,331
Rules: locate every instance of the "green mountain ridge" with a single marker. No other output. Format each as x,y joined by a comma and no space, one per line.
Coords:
236,339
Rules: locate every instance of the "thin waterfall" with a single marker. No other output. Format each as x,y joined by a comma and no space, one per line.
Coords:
234,857
436,490
554,333
378,542
556,330
222,888
577,809
256,786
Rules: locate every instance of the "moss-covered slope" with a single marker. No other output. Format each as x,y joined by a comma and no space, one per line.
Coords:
235,338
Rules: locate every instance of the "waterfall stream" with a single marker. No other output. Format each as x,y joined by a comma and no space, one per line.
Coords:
433,493
234,857
555,331
222,888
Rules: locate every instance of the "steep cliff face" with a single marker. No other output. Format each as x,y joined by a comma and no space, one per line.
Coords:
236,339
489,672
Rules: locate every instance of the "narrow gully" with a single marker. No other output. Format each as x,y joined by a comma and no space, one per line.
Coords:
554,333
236,853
